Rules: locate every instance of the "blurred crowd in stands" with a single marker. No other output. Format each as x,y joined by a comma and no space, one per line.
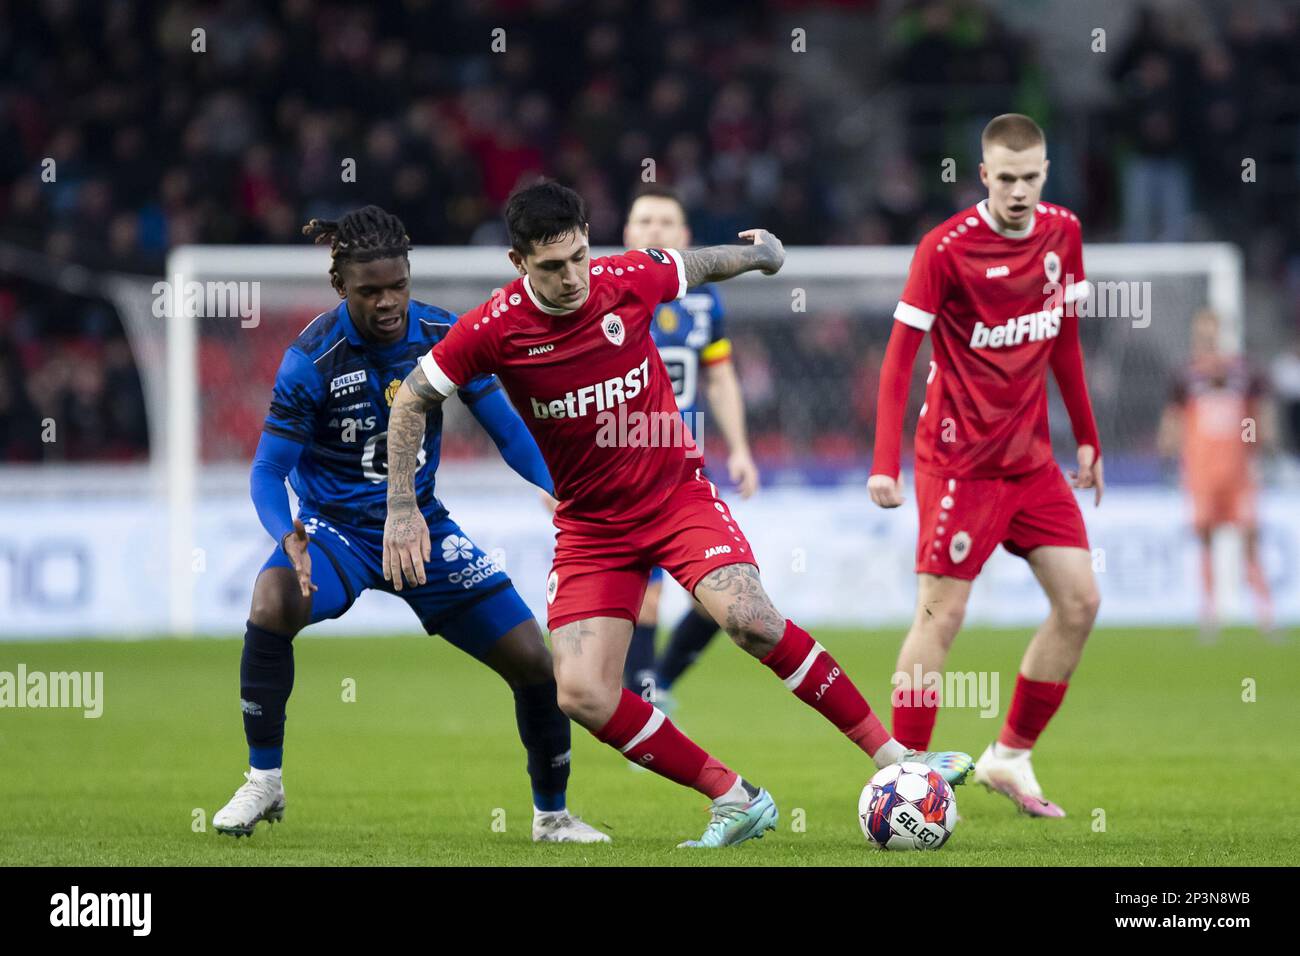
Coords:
242,131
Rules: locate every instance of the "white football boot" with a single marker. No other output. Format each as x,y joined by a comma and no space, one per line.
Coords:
1013,777
561,826
262,798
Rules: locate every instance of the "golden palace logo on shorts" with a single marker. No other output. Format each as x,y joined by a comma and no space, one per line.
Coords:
959,547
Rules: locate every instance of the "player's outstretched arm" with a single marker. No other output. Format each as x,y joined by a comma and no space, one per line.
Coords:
406,536
716,263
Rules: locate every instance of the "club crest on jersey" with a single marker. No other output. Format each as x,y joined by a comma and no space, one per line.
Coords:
612,326
1052,266
959,547
390,392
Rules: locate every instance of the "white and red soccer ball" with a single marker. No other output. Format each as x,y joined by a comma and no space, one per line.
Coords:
907,806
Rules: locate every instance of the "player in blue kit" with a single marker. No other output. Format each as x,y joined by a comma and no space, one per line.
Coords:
693,343
326,433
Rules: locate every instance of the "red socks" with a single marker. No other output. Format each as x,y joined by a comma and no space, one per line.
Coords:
812,674
915,712
645,736
1032,705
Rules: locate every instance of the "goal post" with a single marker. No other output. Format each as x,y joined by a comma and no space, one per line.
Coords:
806,341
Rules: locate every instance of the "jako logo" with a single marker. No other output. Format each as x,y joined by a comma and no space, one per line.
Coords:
541,349
835,672
103,909
720,549
602,395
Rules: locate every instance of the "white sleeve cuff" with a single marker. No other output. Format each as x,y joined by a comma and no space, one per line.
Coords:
681,272
916,318
1078,290
436,376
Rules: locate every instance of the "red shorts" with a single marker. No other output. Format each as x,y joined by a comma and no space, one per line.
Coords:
601,569
964,519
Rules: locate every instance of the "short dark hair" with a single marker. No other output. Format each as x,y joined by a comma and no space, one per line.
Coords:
1015,131
363,235
541,213
656,191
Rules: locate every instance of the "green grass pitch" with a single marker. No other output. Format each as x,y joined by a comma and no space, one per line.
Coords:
425,766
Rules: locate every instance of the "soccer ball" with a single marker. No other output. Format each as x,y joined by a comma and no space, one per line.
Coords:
907,806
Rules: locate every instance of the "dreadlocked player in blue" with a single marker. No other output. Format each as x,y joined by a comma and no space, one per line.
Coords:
326,434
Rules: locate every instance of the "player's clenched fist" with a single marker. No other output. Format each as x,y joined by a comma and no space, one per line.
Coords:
406,546
769,246
885,491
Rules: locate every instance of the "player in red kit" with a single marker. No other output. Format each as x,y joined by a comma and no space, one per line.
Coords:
570,342
996,287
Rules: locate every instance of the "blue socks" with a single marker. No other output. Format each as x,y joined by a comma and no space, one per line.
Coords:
544,731
265,682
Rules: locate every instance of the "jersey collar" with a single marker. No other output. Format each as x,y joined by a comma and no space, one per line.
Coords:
356,338
983,207
548,309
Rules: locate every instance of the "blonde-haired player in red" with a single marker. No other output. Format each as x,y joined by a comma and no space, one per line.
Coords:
995,286
1217,414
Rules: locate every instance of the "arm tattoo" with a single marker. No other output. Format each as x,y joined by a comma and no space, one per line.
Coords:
715,263
419,384
405,436
750,618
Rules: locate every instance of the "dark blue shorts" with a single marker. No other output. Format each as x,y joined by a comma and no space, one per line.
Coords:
467,596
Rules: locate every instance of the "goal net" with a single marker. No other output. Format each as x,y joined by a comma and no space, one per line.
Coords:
808,345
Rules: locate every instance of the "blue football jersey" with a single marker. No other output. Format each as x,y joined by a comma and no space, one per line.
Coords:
333,394
689,334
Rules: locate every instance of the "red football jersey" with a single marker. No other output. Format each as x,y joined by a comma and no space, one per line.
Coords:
588,383
995,303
